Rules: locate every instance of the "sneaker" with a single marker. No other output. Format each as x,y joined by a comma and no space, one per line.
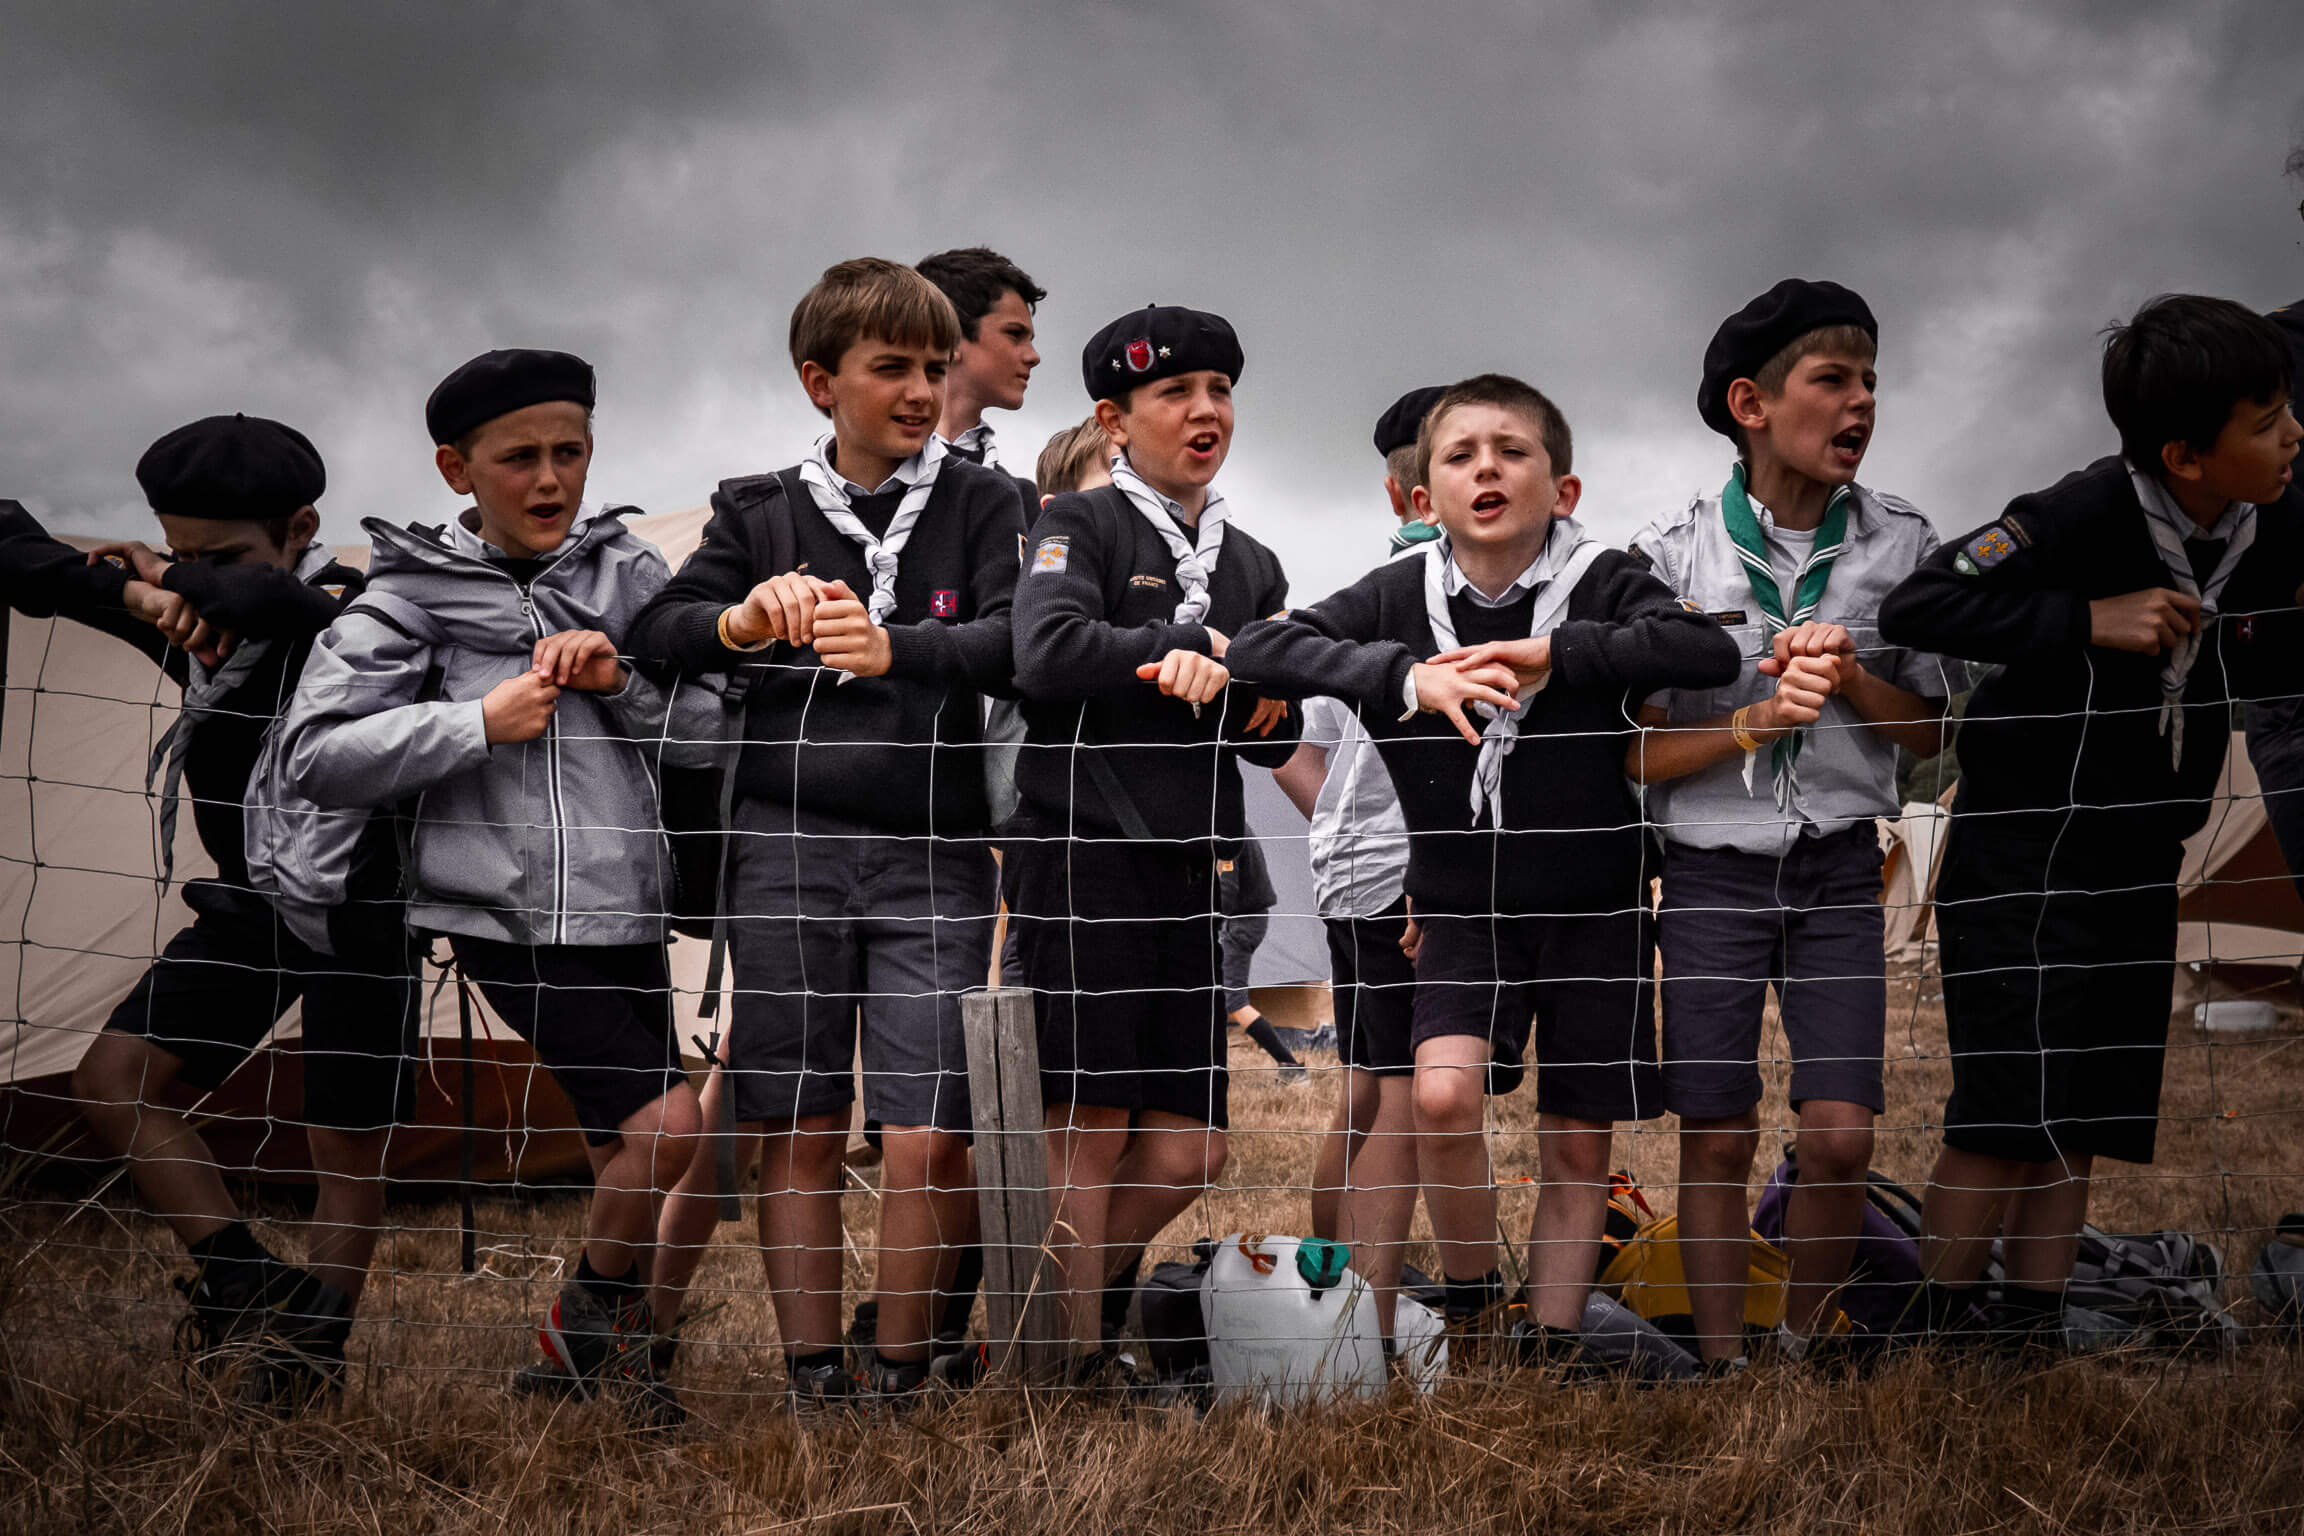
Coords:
819,1391
962,1368
897,1386
591,1350
1294,1074
579,1338
300,1354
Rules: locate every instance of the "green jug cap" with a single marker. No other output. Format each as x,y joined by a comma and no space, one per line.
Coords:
1321,1262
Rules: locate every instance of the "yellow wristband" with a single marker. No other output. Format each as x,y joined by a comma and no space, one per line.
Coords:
1736,728
720,627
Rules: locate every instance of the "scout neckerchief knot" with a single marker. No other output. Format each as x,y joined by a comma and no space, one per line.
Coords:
204,689
830,488
1193,566
1807,591
2171,525
976,444
1410,535
1568,552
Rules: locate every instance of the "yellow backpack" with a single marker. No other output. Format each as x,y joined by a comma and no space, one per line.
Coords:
1647,1275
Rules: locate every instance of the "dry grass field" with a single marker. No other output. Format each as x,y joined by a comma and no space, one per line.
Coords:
100,1429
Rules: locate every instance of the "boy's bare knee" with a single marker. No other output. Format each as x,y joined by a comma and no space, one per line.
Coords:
1575,1157
1718,1157
1840,1155
1450,1099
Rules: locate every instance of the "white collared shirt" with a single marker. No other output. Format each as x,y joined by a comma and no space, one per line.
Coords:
1455,583
976,442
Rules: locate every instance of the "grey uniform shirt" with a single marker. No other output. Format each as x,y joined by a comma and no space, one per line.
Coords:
1359,838
1847,770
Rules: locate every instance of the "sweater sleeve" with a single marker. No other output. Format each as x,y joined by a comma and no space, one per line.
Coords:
1331,648
676,717
254,602
45,578
1271,750
1648,641
1066,648
678,631
354,734
1995,594
981,652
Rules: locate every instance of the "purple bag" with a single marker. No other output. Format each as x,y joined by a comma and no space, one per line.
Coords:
1883,1287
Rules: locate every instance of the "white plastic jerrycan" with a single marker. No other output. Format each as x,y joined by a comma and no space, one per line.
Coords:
1288,1320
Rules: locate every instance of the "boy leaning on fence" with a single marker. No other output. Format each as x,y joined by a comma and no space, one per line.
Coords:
1130,794
1498,670
2123,611
481,674
229,616
1364,1181
863,595
1766,793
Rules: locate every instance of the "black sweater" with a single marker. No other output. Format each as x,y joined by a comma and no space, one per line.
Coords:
1571,839
47,578
902,752
1096,602
2062,739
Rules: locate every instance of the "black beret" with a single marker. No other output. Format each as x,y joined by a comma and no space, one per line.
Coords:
232,467
498,383
1157,342
1397,427
1748,338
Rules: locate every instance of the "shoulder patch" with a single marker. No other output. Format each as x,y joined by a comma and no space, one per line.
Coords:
1691,605
1053,554
1985,551
1151,583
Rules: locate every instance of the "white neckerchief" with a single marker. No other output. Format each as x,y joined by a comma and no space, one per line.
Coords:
204,689
2171,525
918,476
976,443
1194,566
1568,552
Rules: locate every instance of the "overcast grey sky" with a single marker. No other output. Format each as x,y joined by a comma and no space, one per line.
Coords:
314,211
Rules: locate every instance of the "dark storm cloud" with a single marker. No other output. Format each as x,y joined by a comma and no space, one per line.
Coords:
315,211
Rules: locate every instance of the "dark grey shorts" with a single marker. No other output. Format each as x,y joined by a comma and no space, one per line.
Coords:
832,920
1810,924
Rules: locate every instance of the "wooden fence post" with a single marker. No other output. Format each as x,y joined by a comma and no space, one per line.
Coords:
1024,1310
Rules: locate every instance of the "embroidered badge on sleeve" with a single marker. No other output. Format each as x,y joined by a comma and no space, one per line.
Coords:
944,603
1053,555
1984,551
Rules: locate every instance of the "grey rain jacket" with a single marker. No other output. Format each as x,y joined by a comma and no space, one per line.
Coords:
552,841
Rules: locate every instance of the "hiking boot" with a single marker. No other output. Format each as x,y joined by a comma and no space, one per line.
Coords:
300,1354
232,1304
819,1391
1535,1346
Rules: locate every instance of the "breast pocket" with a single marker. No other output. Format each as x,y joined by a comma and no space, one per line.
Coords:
1751,645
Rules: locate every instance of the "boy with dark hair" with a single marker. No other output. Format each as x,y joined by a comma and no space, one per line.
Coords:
492,689
1767,791
865,593
1364,1184
230,619
1130,795
993,361
1527,861
2123,610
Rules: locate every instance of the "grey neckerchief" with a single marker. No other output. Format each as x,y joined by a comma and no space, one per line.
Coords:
204,689
977,440
2171,525
1568,552
1194,566
882,554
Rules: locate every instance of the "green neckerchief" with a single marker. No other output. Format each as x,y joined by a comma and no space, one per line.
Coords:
1412,533
1807,591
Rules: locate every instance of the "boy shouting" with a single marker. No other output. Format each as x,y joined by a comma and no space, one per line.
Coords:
1498,670
1131,794
1766,792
